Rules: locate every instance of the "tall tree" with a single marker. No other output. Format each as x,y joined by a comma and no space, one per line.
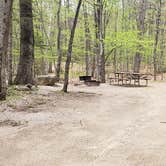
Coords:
5,13
141,30
59,51
10,57
70,47
157,31
98,9
25,72
87,40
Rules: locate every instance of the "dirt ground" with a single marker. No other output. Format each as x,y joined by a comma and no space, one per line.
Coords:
91,126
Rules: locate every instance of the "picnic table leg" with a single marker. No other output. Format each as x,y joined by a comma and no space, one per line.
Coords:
110,81
113,82
130,81
126,81
118,79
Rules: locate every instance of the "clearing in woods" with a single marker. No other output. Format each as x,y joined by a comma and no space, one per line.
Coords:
92,126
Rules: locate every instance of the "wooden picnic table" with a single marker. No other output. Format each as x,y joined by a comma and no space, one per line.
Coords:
121,77
136,77
126,78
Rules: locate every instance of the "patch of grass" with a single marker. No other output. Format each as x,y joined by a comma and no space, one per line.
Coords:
12,93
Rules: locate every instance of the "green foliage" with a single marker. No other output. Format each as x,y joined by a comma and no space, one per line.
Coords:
120,31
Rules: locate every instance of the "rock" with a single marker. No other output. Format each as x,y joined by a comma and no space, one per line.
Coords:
27,87
46,80
22,88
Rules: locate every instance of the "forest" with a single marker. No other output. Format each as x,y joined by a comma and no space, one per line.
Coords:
87,75
94,38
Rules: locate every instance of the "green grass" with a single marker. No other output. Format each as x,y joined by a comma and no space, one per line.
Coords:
12,93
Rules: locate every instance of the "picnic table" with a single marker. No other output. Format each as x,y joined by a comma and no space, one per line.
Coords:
126,78
121,77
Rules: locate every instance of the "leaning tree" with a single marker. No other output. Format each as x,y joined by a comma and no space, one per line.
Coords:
70,47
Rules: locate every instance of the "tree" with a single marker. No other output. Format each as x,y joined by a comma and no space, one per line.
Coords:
100,56
101,42
157,31
87,40
141,30
25,71
5,13
59,51
70,47
9,52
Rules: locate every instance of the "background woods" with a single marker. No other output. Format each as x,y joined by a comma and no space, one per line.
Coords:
68,38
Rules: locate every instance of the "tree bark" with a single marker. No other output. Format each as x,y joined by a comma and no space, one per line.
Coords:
115,50
70,47
158,20
96,46
59,51
5,12
25,72
141,29
101,56
10,57
87,40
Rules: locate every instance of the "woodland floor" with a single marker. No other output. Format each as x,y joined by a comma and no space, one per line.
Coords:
91,126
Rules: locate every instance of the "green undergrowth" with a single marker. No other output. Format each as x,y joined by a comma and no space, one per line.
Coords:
13,93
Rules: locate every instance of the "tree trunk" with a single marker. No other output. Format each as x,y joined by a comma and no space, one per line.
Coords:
162,50
96,46
25,72
101,56
50,67
70,47
141,29
115,50
10,57
5,13
59,51
137,62
87,41
158,20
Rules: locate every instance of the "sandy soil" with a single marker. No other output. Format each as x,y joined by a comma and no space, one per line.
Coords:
92,126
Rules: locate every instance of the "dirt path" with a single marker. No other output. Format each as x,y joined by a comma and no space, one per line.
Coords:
101,126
